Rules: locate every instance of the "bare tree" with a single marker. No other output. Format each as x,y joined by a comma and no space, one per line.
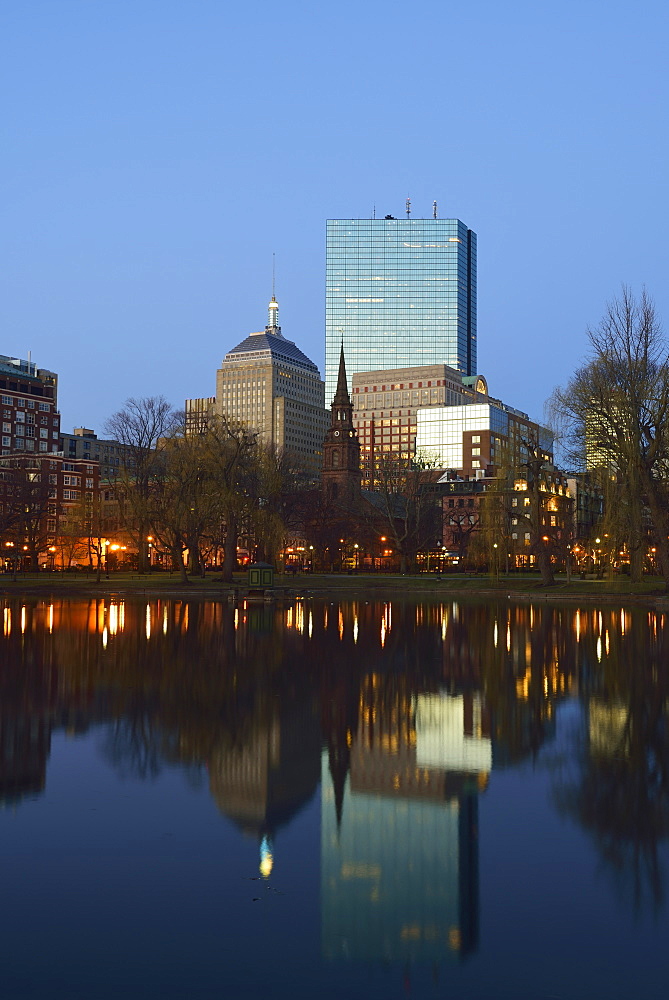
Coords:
617,411
138,427
231,450
409,513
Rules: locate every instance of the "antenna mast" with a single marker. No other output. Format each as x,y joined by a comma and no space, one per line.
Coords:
434,210
408,207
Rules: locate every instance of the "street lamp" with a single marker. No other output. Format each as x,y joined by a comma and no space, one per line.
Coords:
356,556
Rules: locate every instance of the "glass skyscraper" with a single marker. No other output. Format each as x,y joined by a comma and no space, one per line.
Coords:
399,293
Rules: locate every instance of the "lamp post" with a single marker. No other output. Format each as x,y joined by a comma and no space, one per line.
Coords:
495,561
356,556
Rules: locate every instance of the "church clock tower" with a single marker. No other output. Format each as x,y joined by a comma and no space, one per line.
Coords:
340,477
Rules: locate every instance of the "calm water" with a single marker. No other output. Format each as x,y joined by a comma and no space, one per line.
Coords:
333,800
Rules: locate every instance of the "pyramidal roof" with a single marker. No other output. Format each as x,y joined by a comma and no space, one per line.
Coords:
276,346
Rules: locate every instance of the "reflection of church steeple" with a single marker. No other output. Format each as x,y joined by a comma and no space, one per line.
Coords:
339,758
340,721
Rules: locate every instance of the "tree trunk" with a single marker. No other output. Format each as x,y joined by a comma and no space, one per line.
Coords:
661,523
230,549
178,562
545,566
142,555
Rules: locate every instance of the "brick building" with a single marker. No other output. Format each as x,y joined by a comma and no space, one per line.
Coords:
29,405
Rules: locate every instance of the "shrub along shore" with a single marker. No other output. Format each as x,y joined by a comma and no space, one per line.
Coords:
339,585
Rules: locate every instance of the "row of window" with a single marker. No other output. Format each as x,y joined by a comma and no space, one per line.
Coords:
29,403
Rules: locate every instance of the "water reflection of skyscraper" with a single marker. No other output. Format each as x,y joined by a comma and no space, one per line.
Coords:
262,781
399,856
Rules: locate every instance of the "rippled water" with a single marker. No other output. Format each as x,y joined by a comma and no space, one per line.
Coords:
357,799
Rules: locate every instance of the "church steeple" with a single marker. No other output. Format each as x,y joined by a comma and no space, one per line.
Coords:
341,396
341,449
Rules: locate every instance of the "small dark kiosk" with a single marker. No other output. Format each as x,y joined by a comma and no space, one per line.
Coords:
261,580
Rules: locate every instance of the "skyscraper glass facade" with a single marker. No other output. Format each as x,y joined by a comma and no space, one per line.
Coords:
399,293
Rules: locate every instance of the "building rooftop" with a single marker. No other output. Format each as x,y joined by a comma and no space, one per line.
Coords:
18,368
270,345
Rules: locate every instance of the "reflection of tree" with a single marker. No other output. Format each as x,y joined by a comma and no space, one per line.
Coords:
620,792
204,685
134,746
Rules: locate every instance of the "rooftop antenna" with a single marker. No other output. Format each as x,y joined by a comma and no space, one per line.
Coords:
434,210
273,275
374,212
408,207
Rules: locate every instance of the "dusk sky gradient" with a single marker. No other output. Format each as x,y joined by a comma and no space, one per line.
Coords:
156,153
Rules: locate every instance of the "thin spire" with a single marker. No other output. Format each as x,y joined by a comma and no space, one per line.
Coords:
341,397
273,308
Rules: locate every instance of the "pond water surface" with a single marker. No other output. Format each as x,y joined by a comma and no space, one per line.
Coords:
330,800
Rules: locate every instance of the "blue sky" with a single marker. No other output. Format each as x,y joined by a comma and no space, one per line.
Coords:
157,152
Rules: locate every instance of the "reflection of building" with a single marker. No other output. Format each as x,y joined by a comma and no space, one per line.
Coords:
399,869
262,781
400,292
607,728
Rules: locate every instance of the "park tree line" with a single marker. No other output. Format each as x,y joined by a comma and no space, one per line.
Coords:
196,492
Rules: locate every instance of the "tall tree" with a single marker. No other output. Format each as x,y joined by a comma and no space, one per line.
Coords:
138,427
231,450
617,414
409,513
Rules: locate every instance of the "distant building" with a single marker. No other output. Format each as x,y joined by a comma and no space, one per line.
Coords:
386,403
84,443
271,386
44,498
29,405
480,438
588,498
400,292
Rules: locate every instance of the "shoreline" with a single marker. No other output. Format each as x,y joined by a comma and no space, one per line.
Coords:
353,587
